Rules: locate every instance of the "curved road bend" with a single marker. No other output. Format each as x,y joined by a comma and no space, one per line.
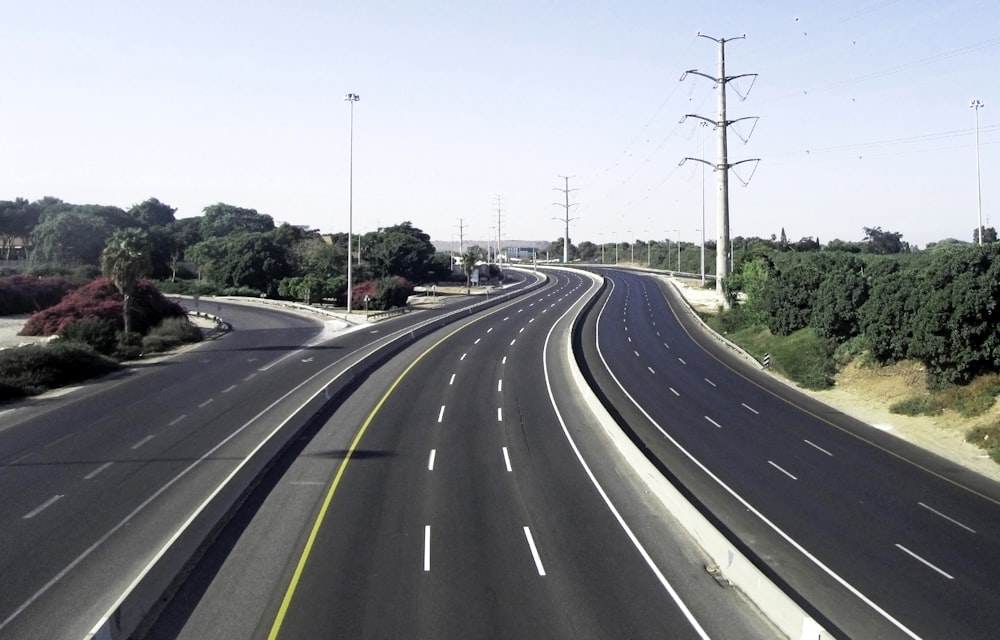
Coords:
883,538
444,500
94,480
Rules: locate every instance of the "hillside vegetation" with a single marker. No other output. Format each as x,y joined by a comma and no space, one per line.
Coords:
815,312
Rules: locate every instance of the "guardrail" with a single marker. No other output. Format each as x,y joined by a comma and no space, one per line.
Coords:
147,589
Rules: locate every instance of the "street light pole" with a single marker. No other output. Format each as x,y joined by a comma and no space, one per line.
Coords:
977,105
678,232
352,98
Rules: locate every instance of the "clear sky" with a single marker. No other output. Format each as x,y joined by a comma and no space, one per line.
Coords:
863,106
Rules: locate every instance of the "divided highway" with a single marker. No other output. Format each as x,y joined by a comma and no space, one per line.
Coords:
461,492
96,480
883,539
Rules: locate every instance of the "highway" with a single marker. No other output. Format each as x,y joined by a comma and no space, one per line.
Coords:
461,492
96,480
881,538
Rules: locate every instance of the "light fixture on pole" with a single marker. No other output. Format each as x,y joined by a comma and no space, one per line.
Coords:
977,105
352,98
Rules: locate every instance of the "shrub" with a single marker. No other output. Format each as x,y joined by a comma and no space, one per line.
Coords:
129,346
101,299
27,294
170,333
10,392
98,333
37,368
916,406
986,437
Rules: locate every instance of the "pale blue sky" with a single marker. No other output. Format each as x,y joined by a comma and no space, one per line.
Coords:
863,106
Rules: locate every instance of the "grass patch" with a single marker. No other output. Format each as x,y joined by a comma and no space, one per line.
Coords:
987,438
803,357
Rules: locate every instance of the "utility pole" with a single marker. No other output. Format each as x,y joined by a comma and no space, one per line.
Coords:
499,213
461,237
567,205
722,164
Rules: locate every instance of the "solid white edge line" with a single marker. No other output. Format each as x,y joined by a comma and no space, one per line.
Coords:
600,490
534,552
928,564
749,507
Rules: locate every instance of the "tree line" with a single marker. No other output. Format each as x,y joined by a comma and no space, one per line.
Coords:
938,306
226,249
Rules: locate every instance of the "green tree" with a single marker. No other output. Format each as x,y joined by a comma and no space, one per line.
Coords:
252,260
124,260
401,250
152,213
222,219
883,242
843,291
955,325
71,237
469,260
18,219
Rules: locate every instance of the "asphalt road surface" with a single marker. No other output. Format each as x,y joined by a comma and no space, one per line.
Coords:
884,539
97,479
460,493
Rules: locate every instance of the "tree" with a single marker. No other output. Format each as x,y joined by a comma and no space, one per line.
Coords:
18,219
252,260
883,242
401,250
989,234
839,296
224,219
126,259
469,260
71,237
152,213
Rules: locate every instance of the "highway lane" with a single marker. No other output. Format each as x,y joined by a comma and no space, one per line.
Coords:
459,510
96,480
906,535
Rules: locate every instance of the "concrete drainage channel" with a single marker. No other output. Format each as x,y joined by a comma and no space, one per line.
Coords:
146,590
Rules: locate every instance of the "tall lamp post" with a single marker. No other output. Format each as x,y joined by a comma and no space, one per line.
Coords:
977,105
352,98
678,232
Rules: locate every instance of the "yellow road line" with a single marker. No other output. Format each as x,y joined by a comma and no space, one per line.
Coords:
304,558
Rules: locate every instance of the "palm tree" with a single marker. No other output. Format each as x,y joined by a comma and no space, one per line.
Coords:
126,259
469,260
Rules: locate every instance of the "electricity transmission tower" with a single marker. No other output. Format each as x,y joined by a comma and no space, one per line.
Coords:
567,205
722,164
